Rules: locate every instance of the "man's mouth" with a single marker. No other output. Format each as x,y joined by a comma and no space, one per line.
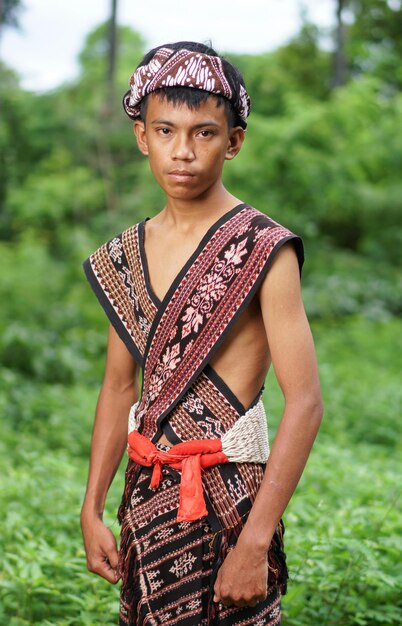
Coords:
180,173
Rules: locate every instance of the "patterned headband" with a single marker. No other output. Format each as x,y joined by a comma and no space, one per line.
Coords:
183,68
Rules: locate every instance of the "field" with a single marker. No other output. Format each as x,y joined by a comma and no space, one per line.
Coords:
343,525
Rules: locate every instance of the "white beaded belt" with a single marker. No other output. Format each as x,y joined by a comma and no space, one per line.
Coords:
247,440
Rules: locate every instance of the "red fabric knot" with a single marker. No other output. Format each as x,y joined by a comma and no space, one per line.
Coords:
189,457
156,474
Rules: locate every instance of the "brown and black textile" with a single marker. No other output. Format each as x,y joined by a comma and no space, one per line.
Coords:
173,564
183,397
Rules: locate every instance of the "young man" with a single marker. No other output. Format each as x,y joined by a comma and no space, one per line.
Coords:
192,304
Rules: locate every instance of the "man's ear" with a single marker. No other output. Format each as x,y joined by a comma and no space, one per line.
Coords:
236,138
139,132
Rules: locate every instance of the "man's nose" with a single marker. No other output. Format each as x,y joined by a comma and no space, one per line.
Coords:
183,148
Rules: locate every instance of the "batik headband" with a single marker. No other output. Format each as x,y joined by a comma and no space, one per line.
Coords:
183,68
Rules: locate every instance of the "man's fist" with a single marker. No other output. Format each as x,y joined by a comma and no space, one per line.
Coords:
100,548
242,579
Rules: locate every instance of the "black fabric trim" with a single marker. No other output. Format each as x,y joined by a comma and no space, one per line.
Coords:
220,384
212,516
170,434
230,396
111,313
144,263
299,251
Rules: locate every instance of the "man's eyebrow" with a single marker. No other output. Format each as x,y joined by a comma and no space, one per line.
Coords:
164,122
207,123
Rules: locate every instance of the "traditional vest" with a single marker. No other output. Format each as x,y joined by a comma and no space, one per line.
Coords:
173,341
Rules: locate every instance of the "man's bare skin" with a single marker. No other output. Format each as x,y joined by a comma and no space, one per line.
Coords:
273,328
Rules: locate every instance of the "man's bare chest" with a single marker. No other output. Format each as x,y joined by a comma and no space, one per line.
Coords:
166,257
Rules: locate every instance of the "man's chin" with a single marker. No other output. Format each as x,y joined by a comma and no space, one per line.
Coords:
184,193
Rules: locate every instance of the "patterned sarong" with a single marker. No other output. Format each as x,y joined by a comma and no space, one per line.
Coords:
174,565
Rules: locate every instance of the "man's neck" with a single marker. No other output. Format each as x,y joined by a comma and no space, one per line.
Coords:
187,216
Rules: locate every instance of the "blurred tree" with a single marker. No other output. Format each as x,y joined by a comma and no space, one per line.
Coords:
330,169
374,38
340,62
9,10
304,62
98,102
94,60
300,67
17,152
326,162
112,55
63,135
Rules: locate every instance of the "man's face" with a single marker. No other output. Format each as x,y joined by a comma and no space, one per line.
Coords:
187,148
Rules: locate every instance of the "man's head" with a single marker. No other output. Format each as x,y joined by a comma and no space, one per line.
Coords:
189,108
188,73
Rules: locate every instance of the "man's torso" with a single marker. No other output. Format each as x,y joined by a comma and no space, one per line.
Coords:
242,360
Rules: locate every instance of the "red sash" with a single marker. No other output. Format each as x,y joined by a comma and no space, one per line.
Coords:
188,457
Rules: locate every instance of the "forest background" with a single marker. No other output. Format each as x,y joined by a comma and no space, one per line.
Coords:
323,155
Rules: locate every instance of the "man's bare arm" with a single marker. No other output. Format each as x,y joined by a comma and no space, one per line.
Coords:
293,357
120,389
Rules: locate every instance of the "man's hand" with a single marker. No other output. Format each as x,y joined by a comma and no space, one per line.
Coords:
100,548
242,579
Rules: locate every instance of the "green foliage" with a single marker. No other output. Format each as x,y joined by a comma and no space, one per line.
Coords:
342,524
330,169
325,164
343,540
93,58
338,284
43,577
374,41
299,67
56,192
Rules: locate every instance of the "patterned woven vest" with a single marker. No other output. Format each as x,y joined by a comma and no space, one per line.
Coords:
173,340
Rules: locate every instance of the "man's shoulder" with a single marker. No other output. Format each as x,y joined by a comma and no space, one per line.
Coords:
127,234
268,225
272,235
265,220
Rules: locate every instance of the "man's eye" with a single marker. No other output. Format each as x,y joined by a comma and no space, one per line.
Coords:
205,133
164,131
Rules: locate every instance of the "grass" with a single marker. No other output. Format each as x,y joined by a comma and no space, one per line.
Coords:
343,524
